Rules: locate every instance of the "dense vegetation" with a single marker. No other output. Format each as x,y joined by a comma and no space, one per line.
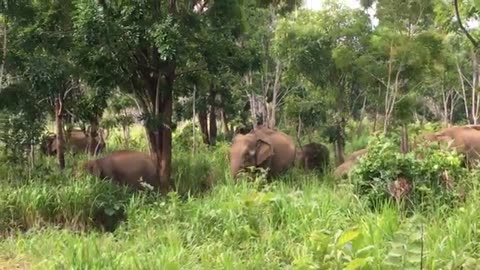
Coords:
180,78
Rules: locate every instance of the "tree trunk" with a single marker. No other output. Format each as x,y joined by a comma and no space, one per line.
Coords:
166,162
404,148
339,143
160,135
223,118
475,96
203,122
59,131
194,140
212,132
4,57
92,134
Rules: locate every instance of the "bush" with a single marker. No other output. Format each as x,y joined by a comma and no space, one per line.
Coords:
384,174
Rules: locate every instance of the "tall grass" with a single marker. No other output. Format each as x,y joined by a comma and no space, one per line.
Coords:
300,221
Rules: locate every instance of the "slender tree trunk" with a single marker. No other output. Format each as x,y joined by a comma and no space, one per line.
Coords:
223,118
212,132
475,96
92,134
167,111
339,143
193,119
404,147
464,94
212,128
4,57
203,122
362,115
59,131
299,131
31,158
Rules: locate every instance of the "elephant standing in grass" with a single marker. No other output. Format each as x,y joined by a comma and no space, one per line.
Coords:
464,139
314,156
262,148
125,167
350,162
77,141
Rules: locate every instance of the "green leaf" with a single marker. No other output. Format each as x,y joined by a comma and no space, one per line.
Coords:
363,251
347,236
358,263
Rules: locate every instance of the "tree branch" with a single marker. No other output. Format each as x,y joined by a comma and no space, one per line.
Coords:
457,13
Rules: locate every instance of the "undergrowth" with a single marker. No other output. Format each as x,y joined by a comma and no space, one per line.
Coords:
54,220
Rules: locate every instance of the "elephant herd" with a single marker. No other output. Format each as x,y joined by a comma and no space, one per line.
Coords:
262,147
273,149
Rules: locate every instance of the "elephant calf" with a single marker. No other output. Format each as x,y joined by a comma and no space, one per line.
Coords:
314,156
125,167
350,162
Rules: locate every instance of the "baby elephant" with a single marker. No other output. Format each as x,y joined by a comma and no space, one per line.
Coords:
314,156
125,167
350,162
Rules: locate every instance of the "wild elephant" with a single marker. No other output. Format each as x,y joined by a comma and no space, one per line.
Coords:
76,141
125,167
262,148
313,156
464,139
350,162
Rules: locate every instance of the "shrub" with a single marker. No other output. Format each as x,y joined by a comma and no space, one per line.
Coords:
384,174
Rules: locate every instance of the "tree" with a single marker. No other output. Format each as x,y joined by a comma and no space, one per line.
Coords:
321,48
40,34
144,47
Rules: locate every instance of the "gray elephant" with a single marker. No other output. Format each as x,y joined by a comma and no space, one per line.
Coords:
314,156
125,167
262,148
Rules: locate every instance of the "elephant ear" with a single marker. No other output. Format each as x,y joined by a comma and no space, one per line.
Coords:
264,151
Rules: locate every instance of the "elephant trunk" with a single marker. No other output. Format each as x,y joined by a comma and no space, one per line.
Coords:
235,167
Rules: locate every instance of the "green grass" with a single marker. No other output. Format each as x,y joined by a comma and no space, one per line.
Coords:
300,221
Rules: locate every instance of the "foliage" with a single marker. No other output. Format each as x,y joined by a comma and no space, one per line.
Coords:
434,176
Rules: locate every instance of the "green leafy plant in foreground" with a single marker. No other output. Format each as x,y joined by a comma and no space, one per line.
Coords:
427,177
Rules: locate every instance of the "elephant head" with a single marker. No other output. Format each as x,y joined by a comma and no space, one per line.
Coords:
92,167
250,150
